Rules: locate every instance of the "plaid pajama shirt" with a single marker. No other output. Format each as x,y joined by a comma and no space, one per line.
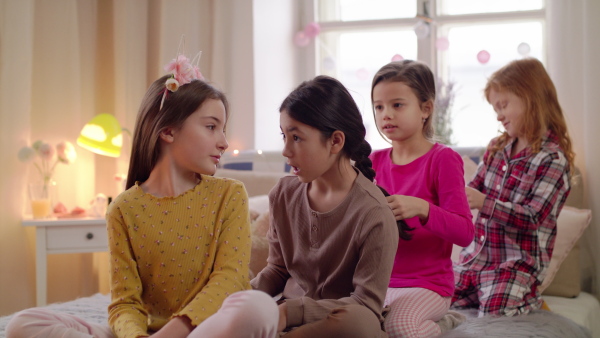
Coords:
515,230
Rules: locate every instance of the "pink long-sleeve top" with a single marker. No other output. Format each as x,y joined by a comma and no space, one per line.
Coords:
438,178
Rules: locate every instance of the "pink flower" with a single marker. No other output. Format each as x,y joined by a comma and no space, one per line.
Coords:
46,152
65,152
183,71
197,74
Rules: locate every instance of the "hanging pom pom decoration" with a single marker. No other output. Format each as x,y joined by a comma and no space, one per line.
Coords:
483,57
328,63
312,30
303,37
523,49
363,74
301,40
397,57
421,29
442,43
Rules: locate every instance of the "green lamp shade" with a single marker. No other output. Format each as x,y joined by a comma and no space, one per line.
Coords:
102,135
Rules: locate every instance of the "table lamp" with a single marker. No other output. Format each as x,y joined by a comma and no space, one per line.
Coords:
102,135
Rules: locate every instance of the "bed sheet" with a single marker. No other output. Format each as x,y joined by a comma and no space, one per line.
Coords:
583,310
93,309
570,317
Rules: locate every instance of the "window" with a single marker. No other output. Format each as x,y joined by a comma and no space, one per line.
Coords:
463,41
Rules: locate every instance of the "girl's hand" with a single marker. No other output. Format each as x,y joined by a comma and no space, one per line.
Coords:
179,326
407,207
475,198
282,317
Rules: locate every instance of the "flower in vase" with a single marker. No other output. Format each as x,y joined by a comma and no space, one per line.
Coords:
65,152
48,156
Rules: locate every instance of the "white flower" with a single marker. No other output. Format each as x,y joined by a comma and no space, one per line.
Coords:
66,152
172,85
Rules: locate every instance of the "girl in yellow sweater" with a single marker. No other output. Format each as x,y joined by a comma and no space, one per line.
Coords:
179,238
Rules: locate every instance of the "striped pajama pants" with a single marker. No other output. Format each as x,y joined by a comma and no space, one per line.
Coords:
413,312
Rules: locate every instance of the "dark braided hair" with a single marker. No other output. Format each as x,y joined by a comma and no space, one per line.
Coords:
403,228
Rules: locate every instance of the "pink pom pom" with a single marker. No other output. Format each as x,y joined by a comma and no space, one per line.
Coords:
363,74
442,43
301,40
312,29
483,57
397,57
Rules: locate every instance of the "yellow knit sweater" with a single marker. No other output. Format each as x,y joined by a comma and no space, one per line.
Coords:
176,256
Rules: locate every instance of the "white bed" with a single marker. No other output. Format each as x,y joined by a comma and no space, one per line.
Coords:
582,312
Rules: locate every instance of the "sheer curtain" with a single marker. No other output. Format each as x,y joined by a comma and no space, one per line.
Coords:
61,63
575,70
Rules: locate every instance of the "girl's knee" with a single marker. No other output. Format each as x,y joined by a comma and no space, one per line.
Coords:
16,325
401,325
252,305
251,311
355,321
24,323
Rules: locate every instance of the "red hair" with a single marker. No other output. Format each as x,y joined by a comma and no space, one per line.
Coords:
527,78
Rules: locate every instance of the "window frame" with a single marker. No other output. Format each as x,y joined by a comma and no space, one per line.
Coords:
426,50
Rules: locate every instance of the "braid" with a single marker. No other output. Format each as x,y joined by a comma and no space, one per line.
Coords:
362,161
403,228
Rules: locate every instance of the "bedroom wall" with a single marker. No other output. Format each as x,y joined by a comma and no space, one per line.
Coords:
573,65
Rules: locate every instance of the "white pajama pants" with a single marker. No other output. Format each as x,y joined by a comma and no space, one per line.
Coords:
251,314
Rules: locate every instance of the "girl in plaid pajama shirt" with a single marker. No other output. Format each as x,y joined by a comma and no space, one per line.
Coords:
426,181
519,190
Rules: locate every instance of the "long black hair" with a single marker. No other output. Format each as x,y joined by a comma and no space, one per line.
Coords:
325,104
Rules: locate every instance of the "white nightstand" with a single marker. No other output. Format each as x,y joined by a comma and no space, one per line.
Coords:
64,235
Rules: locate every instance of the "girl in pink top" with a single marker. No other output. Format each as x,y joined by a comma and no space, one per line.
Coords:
426,181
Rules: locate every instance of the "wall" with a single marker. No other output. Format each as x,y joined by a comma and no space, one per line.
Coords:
275,62
61,63
574,68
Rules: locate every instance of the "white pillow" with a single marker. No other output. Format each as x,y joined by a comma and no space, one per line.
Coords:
258,204
570,226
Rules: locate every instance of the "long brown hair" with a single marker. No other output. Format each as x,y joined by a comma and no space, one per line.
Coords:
415,75
527,79
151,120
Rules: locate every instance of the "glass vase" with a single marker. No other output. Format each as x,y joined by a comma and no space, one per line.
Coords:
41,196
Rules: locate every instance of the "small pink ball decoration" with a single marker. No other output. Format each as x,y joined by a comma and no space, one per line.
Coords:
329,63
442,43
312,30
363,74
397,57
301,40
483,57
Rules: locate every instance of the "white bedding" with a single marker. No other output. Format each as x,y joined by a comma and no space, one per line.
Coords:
583,310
